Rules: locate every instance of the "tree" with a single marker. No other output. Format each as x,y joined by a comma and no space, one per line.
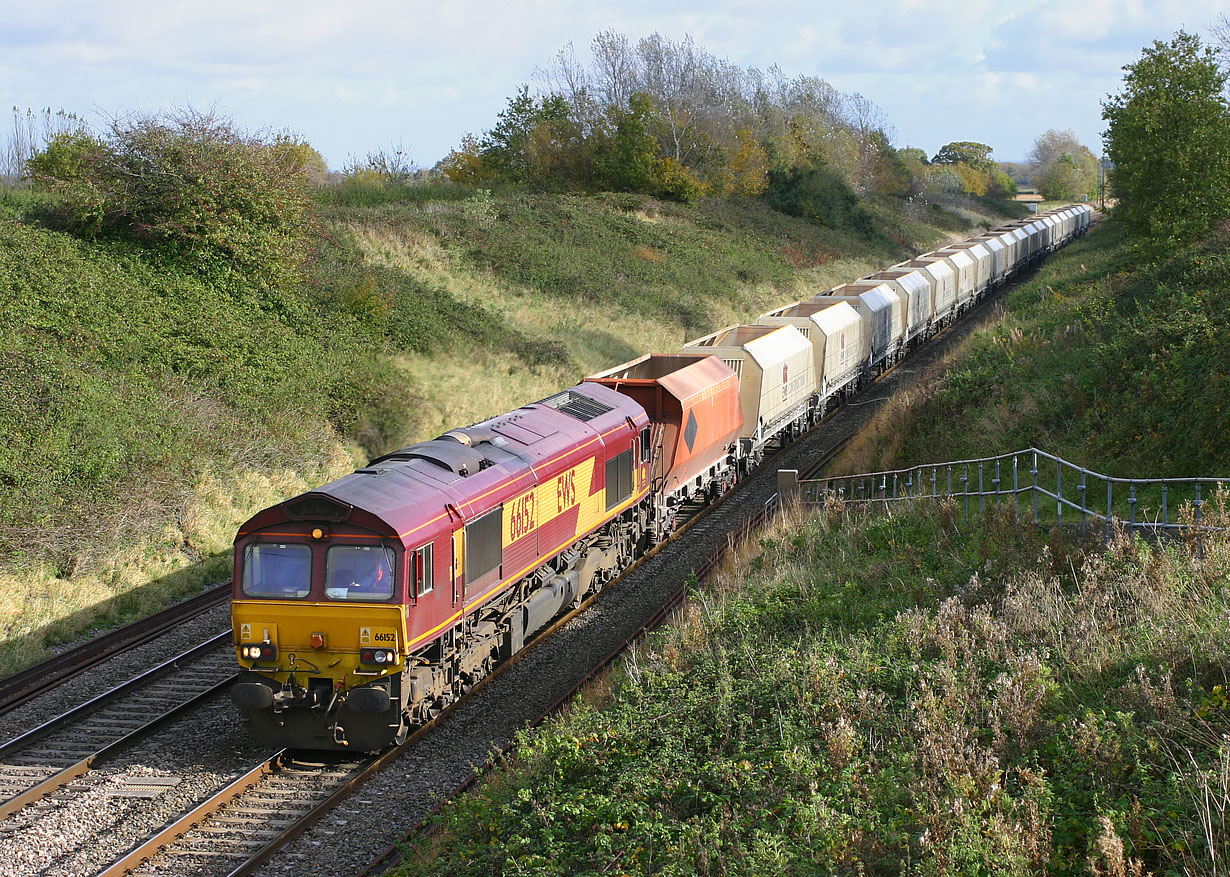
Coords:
976,155
1062,179
625,162
1063,166
1168,139
465,163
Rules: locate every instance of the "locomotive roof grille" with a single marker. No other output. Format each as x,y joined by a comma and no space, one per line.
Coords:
312,507
576,405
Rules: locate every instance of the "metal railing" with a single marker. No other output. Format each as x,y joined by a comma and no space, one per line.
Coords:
1059,492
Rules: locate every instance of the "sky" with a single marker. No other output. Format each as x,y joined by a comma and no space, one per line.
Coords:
374,75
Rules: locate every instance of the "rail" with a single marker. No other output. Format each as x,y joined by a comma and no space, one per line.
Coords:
1057,490
26,684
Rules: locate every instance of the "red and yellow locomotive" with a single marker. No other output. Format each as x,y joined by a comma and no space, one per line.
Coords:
364,607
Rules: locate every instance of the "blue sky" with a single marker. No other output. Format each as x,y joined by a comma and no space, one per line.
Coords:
379,73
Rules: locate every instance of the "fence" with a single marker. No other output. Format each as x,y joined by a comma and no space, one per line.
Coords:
1060,491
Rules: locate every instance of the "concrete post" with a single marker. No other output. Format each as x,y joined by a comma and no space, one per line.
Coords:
788,485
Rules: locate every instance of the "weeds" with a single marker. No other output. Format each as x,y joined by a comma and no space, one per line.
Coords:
1037,708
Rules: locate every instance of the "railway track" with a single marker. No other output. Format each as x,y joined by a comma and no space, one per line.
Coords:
33,681
50,758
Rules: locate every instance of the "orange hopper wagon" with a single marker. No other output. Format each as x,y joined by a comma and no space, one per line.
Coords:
692,400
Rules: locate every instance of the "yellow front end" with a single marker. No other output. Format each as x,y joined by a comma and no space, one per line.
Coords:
326,668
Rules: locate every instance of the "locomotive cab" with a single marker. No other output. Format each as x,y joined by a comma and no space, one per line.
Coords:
319,624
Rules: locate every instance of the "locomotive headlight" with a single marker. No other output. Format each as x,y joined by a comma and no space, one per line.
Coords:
259,651
377,656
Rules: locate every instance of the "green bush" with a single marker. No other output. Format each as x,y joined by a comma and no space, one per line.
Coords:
819,193
219,202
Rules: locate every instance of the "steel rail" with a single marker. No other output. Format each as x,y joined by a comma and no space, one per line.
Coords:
63,777
123,688
66,775
136,856
45,675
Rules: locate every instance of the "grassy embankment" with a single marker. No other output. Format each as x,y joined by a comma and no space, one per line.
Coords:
1108,359
146,413
919,694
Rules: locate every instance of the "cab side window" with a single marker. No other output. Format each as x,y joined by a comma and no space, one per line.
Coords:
423,572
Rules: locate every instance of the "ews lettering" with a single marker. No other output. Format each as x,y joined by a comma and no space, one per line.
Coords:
522,516
565,491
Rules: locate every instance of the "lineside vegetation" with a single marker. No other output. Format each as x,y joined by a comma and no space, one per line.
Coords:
869,694
198,330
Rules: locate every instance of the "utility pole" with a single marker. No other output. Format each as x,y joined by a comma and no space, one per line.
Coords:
1102,183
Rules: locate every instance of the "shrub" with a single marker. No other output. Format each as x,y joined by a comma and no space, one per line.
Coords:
223,203
820,193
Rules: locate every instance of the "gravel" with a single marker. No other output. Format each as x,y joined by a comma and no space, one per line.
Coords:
113,672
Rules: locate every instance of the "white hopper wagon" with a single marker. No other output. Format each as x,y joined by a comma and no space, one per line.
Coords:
777,383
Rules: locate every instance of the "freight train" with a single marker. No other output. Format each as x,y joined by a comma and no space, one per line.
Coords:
363,608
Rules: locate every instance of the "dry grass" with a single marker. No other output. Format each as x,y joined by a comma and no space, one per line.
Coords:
40,609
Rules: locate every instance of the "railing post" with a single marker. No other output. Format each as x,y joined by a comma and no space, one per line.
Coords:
1084,521
1165,514
1198,502
934,487
981,492
1110,510
950,480
995,481
883,490
788,485
1016,491
1034,472
1132,506
965,487
1059,495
